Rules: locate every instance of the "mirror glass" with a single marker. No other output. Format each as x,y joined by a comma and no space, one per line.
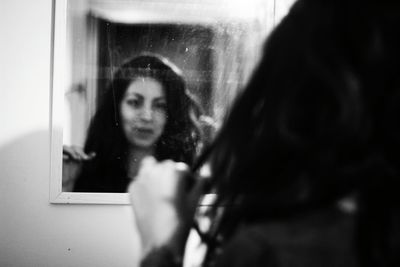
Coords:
212,46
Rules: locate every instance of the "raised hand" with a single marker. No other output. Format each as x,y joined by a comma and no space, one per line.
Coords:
74,153
164,198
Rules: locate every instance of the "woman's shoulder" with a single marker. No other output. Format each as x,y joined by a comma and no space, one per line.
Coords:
320,239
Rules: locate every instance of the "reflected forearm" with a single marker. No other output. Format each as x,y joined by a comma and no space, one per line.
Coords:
161,257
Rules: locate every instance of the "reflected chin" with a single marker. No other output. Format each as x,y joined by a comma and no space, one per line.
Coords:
144,144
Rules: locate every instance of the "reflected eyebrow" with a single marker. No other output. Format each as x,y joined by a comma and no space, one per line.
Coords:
161,98
135,95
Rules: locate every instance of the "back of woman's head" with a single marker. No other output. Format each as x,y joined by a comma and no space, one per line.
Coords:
320,117
323,98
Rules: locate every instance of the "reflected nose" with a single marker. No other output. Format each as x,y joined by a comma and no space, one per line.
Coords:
146,114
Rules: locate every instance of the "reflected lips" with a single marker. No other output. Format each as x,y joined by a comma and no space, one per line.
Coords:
144,133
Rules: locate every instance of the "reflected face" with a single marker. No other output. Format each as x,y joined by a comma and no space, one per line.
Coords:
143,112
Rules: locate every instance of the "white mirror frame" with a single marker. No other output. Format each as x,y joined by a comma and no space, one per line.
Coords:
150,10
58,88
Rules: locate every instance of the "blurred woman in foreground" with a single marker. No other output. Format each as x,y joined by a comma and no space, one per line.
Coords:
306,165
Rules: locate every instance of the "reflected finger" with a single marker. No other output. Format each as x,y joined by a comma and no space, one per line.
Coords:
181,167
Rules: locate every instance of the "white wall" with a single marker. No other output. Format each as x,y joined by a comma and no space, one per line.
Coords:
32,231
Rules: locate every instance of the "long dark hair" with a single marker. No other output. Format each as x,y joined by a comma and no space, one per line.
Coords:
319,120
107,171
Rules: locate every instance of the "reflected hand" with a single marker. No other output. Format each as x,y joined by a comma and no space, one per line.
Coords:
74,153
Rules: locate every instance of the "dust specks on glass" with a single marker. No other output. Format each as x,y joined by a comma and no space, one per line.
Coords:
215,50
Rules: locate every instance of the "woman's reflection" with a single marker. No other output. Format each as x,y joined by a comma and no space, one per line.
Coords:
146,110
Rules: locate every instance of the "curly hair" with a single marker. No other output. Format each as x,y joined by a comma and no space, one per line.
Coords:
319,120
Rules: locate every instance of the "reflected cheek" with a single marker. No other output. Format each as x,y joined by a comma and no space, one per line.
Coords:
128,114
129,120
128,128
159,122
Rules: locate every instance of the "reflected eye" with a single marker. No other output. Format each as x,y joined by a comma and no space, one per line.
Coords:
133,102
162,106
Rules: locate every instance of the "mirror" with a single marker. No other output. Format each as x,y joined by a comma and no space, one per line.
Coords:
212,46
